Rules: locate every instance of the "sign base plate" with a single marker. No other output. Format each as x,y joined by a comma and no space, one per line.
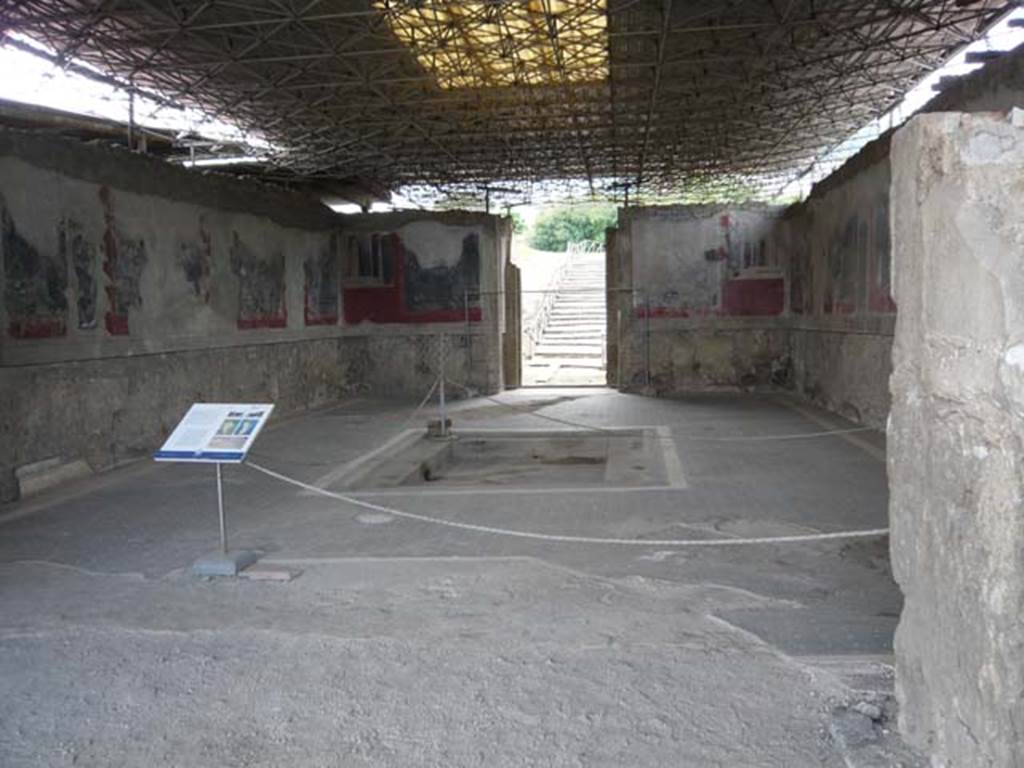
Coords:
220,564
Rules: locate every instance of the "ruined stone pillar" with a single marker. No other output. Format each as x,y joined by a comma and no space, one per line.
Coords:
956,436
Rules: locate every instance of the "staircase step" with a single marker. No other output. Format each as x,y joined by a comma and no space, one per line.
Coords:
567,350
589,331
594,347
574,338
596,360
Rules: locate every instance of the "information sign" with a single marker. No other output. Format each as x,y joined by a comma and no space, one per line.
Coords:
215,433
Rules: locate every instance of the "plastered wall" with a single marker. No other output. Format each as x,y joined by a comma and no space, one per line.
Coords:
746,296
699,296
836,250
131,288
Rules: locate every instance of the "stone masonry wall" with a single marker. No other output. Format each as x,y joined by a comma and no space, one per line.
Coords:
836,250
956,437
130,288
702,305
747,296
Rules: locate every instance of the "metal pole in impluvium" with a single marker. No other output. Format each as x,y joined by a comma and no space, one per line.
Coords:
647,340
469,338
440,354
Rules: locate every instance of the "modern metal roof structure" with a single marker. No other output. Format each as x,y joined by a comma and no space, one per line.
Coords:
655,96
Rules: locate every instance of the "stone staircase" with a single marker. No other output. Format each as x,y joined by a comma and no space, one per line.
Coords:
571,350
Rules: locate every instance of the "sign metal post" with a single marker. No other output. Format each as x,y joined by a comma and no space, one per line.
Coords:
217,433
220,512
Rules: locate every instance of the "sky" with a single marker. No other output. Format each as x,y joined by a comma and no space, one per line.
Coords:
31,79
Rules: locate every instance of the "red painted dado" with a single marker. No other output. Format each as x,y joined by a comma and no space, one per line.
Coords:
879,300
879,296
655,312
36,329
386,303
739,298
754,297
279,320
833,307
116,325
312,318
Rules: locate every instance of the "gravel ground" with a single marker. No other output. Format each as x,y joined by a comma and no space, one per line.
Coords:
405,644
492,662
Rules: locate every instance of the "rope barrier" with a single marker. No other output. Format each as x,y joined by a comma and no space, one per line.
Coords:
566,539
401,428
617,433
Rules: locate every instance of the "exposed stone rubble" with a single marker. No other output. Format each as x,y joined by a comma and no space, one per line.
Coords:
956,436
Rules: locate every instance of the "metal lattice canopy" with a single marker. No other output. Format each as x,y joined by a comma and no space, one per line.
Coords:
665,98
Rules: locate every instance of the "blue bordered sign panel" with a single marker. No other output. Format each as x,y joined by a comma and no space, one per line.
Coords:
215,432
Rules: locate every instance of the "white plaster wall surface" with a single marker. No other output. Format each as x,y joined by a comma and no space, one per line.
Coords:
436,237
956,436
436,244
171,314
669,247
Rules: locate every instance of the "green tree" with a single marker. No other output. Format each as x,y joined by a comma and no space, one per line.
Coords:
557,227
518,223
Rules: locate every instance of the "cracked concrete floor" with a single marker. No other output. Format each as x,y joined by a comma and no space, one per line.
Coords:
403,643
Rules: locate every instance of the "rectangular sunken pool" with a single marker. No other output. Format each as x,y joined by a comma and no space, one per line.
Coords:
614,457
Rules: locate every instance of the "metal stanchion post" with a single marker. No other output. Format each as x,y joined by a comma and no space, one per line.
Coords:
468,377
444,418
220,512
647,340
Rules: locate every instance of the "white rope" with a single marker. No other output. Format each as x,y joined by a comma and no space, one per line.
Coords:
423,402
862,534
401,428
693,438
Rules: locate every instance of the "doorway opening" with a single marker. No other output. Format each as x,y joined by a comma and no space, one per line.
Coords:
561,258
